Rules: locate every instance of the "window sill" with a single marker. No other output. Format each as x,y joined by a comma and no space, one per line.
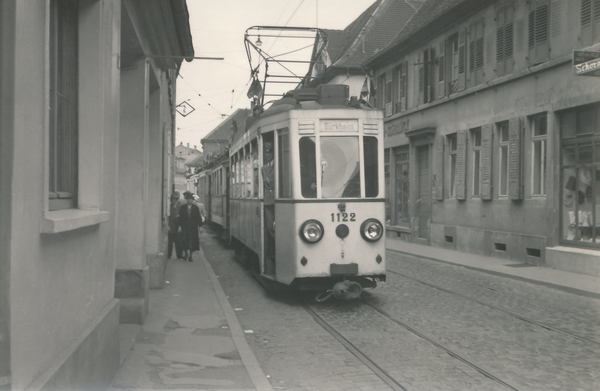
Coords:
69,219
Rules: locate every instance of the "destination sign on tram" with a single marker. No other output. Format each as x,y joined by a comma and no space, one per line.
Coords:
339,125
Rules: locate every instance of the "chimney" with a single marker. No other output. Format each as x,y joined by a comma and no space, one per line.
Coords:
188,145
194,147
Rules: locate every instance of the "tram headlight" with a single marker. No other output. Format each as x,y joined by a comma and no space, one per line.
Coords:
371,230
311,231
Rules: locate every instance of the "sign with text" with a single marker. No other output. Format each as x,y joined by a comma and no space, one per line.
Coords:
331,125
586,63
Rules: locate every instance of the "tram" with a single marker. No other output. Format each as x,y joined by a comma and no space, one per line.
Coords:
329,203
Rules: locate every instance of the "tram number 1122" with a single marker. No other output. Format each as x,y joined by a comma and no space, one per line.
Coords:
343,217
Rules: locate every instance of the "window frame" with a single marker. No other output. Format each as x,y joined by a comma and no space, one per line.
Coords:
502,130
452,142
543,140
475,135
63,93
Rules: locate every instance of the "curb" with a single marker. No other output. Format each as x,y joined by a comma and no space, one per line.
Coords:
260,381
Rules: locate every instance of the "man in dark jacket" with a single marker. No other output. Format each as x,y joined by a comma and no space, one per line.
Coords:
190,219
174,236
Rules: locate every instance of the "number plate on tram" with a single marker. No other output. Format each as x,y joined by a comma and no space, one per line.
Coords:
343,217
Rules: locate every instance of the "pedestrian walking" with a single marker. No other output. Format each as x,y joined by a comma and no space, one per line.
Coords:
174,237
190,219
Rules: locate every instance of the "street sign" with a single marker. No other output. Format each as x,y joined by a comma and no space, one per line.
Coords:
586,63
184,108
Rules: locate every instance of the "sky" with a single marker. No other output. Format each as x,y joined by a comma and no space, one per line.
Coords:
216,88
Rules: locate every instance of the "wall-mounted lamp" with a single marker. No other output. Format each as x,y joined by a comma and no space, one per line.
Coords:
258,41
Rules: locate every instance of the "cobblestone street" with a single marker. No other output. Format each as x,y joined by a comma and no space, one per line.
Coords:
432,326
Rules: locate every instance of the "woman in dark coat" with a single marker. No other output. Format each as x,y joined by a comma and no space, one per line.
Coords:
190,219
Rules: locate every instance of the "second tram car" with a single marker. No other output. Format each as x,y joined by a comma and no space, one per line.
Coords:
329,204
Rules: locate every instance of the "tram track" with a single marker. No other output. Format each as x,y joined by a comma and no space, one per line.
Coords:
377,369
496,308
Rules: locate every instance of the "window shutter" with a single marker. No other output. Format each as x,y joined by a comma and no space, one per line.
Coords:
421,79
515,184
486,162
500,43
430,75
596,20
479,30
508,40
442,69
403,84
439,169
396,89
461,165
462,58
538,31
586,22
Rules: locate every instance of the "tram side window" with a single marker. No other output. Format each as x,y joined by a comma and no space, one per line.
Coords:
283,157
255,171
249,175
340,167
308,167
371,166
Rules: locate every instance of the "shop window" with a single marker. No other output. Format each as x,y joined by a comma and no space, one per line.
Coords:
63,130
538,155
504,40
401,169
580,166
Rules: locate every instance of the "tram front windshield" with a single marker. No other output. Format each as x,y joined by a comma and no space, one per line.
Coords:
340,167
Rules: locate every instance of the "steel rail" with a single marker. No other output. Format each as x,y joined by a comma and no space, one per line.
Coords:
382,374
508,312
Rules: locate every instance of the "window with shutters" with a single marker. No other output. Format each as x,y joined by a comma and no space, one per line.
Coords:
388,98
590,22
380,104
476,160
503,158
426,75
63,130
539,17
453,62
504,40
476,50
538,125
400,83
452,159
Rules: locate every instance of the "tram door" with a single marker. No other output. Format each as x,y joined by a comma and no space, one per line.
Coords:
423,203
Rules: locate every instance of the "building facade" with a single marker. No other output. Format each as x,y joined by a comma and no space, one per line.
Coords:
492,140
84,221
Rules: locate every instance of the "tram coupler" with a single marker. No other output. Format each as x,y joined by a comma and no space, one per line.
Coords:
347,290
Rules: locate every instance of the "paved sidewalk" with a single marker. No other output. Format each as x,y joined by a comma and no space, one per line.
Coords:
191,338
580,284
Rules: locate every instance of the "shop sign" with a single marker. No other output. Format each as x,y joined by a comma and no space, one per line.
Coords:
586,63
396,127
